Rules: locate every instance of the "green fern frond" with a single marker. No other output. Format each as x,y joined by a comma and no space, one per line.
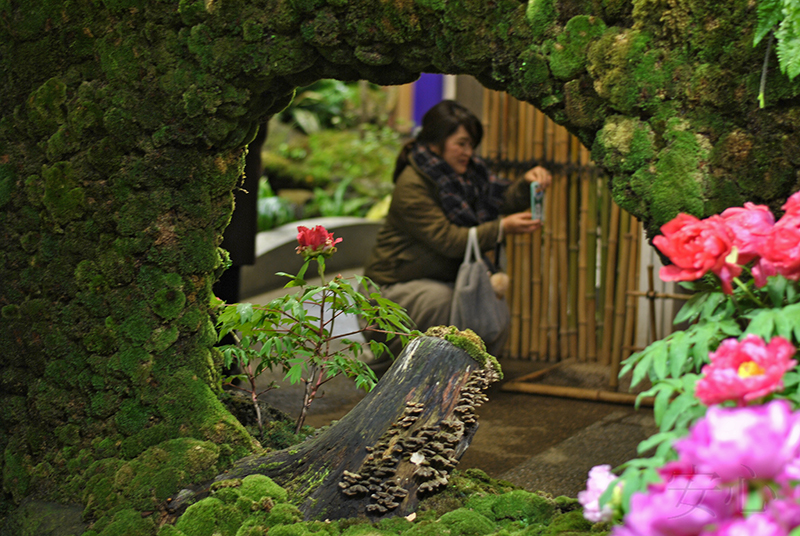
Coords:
788,39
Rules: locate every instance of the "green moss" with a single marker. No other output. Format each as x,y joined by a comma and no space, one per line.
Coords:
69,434
541,15
461,522
518,505
468,341
7,184
567,53
168,530
131,417
46,105
208,517
256,487
138,329
366,529
63,196
571,522
162,338
164,469
284,514
395,525
678,170
16,474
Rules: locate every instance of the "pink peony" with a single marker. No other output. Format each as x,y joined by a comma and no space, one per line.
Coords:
749,225
600,477
757,442
745,371
681,506
697,247
792,205
786,511
781,246
315,242
754,525
762,269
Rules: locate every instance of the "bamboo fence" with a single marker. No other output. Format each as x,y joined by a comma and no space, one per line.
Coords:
574,290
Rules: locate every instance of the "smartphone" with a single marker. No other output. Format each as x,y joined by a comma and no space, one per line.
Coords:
537,202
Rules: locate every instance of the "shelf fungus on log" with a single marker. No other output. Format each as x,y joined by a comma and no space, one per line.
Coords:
399,443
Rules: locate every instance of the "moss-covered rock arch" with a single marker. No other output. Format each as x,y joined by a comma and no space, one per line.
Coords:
122,137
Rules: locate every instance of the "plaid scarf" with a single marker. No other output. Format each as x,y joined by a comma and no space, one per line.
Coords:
469,199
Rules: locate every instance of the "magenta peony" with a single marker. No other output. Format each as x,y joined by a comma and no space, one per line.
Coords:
600,477
697,247
735,444
749,225
754,525
683,505
315,242
745,371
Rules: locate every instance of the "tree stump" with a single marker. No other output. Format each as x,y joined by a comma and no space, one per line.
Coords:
398,444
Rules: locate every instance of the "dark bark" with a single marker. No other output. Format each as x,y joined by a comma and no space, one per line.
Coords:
397,445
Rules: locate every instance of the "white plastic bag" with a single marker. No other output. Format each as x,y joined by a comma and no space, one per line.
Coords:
475,304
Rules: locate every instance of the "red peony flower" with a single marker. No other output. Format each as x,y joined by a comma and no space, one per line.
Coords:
749,225
697,247
316,242
781,246
745,371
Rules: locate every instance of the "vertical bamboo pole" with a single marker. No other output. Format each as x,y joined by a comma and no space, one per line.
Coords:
562,252
591,254
630,304
573,236
552,279
540,288
511,259
486,113
496,128
620,297
545,304
651,299
583,277
605,218
611,269
637,243
523,154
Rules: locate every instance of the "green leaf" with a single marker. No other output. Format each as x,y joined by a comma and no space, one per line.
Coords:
654,441
294,374
776,288
660,356
783,327
641,370
679,405
245,311
762,324
661,402
691,308
770,14
714,301
678,352
788,46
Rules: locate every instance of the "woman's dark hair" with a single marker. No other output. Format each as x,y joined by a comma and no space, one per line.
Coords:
438,123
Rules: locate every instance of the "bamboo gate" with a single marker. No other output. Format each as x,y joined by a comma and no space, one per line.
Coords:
574,292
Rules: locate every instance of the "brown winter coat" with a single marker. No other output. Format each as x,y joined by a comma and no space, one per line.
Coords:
417,241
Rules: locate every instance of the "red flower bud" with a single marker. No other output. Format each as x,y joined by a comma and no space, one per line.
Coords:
315,242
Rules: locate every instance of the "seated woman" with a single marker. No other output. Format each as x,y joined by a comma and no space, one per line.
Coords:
441,190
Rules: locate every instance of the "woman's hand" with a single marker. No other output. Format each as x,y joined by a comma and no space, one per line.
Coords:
519,223
540,175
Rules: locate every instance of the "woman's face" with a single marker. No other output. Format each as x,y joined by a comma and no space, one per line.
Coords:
457,150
